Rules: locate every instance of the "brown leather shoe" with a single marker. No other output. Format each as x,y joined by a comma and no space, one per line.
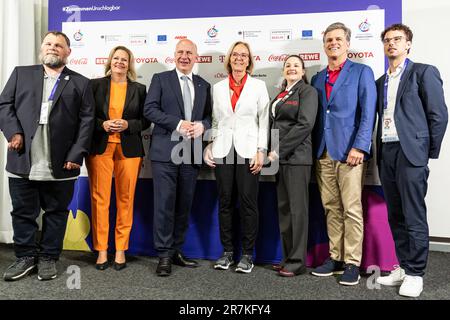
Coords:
286,273
277,267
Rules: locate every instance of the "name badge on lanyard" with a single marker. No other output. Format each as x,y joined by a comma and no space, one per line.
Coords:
389,130
45,106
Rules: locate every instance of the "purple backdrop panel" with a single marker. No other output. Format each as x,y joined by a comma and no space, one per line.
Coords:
111,10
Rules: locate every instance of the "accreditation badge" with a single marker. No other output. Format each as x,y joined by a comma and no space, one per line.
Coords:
45,107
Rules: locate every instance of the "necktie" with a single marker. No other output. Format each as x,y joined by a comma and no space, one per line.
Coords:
282,94
187,100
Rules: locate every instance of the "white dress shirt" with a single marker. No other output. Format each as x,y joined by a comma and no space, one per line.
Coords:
389,133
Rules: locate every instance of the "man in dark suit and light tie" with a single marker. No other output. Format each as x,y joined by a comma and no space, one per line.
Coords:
342,141
47,116
179,104
412,119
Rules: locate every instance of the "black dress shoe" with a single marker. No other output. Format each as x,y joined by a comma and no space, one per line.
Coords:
180,260
119,266
102,266
164,267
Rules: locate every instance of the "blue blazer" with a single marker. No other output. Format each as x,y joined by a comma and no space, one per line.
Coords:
164,107
345,121
420,113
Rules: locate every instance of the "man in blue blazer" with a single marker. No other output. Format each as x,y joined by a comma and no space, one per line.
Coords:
179,104
342,141
412,119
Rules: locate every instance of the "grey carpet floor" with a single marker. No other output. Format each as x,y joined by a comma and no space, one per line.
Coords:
138,281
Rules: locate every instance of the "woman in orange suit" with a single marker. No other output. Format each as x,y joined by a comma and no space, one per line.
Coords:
116,148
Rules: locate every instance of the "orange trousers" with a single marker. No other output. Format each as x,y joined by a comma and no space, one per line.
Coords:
126,170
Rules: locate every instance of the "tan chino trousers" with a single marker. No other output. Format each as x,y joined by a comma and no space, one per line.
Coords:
340,189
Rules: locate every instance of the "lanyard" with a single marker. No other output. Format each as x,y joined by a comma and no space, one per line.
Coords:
386,82
53,90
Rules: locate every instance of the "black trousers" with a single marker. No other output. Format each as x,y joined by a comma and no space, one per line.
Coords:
231,179
28,197
174,189
293,214
405,187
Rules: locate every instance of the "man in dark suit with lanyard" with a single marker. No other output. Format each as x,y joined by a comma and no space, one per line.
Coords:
179,104
47,116
412,119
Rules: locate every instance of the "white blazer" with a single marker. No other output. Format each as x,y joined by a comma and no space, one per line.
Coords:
247,127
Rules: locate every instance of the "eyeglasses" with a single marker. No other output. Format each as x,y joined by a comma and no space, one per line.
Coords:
241,55
395,39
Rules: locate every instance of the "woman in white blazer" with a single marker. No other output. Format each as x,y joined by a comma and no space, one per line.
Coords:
240,135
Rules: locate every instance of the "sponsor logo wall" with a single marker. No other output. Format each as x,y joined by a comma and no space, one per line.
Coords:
271,37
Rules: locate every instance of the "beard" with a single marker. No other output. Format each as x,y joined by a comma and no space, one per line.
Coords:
52,61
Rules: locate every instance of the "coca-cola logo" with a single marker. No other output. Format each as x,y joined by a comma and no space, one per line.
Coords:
78,61
180,37
170,60
278,58
146,60
101,60
360,55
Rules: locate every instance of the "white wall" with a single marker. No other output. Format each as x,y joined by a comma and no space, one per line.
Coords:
429,23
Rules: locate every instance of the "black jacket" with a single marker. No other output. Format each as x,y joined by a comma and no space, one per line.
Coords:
294,118
131,140
71,120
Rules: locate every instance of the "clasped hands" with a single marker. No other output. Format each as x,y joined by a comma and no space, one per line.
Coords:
191,130
115,125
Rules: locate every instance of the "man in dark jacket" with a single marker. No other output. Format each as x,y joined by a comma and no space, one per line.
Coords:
47,116
412,119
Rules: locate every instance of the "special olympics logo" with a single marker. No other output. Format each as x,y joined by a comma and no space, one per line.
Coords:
212,32
77,36
364,26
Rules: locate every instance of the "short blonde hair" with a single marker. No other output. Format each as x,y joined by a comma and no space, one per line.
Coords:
251,61
131,73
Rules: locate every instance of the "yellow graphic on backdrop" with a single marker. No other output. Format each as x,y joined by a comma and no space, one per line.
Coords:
77,231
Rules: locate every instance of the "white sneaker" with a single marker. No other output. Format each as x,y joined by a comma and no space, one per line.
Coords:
412,286
394,279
